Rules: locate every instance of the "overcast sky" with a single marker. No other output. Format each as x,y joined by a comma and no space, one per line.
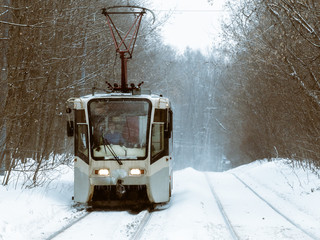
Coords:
193,23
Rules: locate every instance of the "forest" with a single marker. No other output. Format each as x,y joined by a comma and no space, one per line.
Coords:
254,95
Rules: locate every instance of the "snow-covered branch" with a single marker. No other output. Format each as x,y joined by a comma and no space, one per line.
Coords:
22,25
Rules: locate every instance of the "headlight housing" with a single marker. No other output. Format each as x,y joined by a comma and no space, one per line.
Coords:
102,172
136,172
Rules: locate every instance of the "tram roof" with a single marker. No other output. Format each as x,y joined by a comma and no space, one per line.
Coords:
121,95
152,97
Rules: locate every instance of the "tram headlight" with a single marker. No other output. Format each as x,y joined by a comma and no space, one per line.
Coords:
136,172
103,172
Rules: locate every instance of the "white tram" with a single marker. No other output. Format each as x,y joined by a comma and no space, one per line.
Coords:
122,147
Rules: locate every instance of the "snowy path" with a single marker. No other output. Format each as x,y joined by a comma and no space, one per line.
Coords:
274,201
194,213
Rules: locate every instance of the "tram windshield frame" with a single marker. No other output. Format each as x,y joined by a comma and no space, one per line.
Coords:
119,128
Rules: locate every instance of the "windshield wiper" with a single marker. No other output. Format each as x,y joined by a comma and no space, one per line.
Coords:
108,145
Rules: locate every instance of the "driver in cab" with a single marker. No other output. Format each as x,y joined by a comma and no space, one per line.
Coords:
112,136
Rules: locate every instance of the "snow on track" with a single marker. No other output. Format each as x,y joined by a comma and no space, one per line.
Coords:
54,235
223,213
104,225
292,221
292,192
251,217
192,214
143,223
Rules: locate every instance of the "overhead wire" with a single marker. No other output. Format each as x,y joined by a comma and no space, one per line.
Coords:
190,10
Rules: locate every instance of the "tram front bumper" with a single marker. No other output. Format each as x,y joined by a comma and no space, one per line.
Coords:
104,181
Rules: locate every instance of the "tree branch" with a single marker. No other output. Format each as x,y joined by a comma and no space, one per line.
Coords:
22,25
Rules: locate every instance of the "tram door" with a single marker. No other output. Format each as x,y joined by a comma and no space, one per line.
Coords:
160,162
81,164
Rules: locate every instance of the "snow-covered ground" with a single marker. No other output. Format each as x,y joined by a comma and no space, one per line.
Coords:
193,212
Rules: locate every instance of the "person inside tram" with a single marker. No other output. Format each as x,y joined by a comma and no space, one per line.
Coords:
113,136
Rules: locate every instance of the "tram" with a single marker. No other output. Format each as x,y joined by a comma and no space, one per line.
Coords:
122,138
122,147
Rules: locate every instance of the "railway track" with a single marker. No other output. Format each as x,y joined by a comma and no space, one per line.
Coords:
139,230
295,224
127,225
67,226
133,228
230,227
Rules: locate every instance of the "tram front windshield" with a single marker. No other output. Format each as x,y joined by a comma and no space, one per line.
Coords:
119,128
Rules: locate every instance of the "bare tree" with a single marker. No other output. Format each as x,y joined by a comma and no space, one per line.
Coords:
274,87
55,50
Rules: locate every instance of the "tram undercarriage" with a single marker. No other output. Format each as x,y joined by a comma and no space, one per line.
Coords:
122,193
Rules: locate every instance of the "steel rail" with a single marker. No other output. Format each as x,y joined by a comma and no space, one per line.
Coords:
138,233
52,236
223,213
277,210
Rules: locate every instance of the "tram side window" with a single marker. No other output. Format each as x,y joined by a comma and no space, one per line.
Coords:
159,141
81,137
157,146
